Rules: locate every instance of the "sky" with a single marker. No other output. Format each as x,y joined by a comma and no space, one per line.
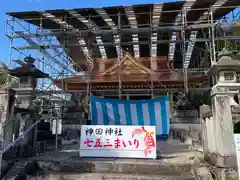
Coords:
33,5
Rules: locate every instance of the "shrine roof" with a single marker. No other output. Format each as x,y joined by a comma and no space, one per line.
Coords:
134,21
34,17
130,71
169,77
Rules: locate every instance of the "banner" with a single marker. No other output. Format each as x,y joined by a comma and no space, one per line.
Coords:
118,141
57,126
154,112
237,146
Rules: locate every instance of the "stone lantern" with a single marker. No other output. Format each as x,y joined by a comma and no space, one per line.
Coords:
28,75
226,86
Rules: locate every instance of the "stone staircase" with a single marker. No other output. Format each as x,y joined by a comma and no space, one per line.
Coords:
19,170
110,169
121,171
175,162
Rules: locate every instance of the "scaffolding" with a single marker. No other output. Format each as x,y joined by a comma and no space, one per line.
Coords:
198,41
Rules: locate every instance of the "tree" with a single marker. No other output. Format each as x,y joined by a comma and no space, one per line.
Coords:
3,73
232,45
3,78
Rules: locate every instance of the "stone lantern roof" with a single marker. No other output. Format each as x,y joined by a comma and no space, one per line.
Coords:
28,69
227,62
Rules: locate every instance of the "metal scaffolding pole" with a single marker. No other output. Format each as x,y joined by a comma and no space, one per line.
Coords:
57,117
150,47
11,42
186,26
185,69
8,80
107,44
209,44
90,60
213,37
119,60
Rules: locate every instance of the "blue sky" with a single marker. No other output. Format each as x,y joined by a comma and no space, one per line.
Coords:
31,5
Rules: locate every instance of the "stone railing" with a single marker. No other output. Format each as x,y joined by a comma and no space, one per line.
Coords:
235,109
207,126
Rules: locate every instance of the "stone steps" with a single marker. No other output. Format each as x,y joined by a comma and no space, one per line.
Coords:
16,171
127,166
67,163
104,176
168,166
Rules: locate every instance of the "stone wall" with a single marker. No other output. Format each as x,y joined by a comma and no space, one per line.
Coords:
186,127
189,134
71,133
71,127
6,114
185,117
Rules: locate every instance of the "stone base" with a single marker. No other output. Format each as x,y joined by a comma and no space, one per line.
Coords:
224,173
203,172
221,161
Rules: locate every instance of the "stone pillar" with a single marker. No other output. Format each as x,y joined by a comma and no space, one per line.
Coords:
25,98
223,124
205,114
207,129
211,139
223,127
6,114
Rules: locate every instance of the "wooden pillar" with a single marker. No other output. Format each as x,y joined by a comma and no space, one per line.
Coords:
153,64
170,94
102,66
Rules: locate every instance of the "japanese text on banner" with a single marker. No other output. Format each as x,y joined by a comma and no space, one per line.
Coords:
122,138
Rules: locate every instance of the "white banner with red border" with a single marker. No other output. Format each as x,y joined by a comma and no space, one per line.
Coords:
237,147
118,141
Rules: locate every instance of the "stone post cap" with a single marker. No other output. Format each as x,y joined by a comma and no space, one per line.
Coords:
227,61
6,91
205,111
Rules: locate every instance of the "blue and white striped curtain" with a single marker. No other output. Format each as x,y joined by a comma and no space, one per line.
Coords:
154,112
